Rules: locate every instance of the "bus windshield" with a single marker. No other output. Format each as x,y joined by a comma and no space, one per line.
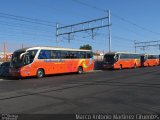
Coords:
110,58
22,58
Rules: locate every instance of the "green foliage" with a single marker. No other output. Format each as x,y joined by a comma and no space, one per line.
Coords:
86,47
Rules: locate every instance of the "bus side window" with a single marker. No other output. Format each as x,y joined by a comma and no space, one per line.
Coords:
64,54
89,55
32,54
67,55
82,54
44,54
55,54
73,55
78,54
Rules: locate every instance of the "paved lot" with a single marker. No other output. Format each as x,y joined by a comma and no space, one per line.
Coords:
119,91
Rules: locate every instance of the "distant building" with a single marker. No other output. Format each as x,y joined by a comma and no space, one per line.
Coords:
6,58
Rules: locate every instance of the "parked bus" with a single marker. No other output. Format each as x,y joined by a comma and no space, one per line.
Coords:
150,60
41,61
159,59
120,60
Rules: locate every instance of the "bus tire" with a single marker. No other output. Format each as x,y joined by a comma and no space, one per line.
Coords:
40,73
80,70
120,67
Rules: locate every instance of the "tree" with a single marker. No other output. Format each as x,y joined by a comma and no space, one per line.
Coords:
86,47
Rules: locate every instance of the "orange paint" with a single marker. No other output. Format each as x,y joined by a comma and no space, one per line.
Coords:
53,66
120,60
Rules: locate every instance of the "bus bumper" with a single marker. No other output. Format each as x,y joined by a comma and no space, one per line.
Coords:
108,66
15,72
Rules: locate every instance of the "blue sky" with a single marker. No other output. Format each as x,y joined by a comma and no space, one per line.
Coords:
144,13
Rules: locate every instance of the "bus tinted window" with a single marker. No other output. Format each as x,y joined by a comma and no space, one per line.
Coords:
64,54
55,54
134,56
58,54
44,54
82,54
129,56
152,56
32,54
124,56
89,55
110,58
73,55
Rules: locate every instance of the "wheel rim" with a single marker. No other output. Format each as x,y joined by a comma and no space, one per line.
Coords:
80,70
120,67
40,73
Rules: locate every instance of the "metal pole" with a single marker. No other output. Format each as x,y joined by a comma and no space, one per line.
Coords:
4,51
109,31
135,46
57,26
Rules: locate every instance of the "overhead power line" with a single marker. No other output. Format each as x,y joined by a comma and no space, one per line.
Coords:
134,24
117,37
88,5
117,16
26,19
144,45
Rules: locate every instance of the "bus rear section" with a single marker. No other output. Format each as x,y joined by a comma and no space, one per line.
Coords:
109,60
120,60
150,60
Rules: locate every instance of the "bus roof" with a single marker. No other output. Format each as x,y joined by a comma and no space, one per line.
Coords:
151,54
49,48
110,53
121,52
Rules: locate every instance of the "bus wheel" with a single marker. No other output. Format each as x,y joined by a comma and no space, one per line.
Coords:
120,67
80,70
40,73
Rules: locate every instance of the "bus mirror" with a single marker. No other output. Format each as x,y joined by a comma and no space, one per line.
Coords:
116,58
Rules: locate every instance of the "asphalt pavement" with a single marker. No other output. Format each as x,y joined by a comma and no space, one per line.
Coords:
109,91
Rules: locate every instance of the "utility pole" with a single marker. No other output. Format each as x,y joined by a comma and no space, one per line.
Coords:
4,58
109,31
57,26
22,45
135,46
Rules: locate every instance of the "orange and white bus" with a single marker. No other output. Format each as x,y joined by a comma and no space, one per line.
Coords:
41,61
150,60
159,59
120,60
